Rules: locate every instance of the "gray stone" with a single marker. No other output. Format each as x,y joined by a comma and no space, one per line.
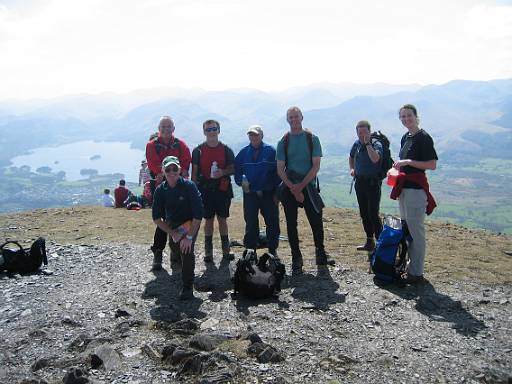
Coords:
75,376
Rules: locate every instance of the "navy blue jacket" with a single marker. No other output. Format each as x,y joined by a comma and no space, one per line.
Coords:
179,204
261,170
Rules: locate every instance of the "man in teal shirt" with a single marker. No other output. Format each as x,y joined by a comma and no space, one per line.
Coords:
298,162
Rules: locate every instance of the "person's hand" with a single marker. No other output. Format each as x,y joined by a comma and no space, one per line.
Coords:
295,188
299,196
159,178
401,163
185,245
366,139
352,172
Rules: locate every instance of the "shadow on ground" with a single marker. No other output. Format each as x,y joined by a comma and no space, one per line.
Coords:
440,307
169,308
319,290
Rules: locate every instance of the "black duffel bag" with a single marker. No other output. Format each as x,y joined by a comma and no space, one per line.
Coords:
22,260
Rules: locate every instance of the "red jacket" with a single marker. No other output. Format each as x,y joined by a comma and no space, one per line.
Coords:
156,151
419,178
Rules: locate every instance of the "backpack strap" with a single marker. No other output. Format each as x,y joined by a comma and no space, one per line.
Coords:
10,242
309,138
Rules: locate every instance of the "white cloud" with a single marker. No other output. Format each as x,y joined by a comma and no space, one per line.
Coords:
70,46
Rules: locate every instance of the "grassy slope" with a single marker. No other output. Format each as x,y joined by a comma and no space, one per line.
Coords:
454,252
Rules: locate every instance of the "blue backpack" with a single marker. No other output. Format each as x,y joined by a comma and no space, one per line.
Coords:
389,258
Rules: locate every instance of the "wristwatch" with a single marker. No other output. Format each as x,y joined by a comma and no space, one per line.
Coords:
190,237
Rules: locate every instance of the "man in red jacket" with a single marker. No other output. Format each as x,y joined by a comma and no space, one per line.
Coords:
121,193
158,148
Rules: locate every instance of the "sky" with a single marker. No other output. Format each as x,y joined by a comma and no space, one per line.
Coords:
52,48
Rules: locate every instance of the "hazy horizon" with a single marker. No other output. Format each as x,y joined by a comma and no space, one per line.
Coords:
53,48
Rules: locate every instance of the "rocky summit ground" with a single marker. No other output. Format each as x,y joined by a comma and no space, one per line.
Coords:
96,314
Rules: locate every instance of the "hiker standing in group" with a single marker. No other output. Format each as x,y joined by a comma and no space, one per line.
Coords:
177,205
364,164
212,166
144,175
121,193
417,154
298,163
159,147
255,172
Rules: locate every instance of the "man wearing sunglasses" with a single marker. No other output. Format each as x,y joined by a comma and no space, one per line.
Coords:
177,211
157,149
212,167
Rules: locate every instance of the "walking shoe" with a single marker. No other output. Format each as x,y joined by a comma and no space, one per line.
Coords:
369,246
157,260
323,258
412,279
187,293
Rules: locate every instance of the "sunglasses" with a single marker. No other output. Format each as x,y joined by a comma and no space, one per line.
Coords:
172,168
211,129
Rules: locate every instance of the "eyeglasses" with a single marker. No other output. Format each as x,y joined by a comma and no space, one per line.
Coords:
172,168
211,129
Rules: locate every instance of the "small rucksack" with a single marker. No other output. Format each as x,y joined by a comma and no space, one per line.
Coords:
389,258
387,160
258,278
23,260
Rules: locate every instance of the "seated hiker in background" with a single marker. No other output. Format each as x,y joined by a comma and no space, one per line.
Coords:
107,200
121,193
364,164
178,211
255,172
212,167
161,145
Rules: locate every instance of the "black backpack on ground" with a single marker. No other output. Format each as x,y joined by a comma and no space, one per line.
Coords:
389,258
258,278
23,260
387,160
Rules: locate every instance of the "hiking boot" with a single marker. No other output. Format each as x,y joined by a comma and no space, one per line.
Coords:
322,257
157,260
297,263
412,279
228,256
187,293
369,246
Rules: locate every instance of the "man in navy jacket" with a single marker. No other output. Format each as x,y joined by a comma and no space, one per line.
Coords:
257,161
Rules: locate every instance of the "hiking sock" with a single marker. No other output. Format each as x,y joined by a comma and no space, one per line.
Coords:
208,248
224,239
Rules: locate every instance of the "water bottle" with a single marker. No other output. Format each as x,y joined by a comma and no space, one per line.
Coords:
213,169
245,184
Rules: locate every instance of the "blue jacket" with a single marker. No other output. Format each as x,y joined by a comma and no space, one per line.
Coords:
260,171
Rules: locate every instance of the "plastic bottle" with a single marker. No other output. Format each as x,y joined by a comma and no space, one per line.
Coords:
213,169
245,184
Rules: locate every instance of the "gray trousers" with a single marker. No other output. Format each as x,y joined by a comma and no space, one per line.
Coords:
413,203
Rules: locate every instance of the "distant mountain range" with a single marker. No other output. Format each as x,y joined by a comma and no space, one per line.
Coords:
466,118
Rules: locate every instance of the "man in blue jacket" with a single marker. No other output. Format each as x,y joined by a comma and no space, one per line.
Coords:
257,161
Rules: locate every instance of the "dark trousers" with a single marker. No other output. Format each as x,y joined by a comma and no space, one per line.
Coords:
159,240
253,204
291,207
368,191
188,263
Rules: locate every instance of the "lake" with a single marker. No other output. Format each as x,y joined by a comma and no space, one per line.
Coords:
105,157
